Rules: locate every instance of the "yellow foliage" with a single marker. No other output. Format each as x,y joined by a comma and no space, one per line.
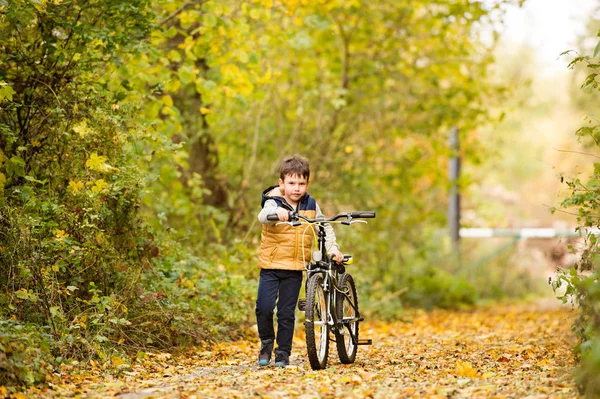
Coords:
98,162
167,100
82,129
75,186
465,369
99,186
60,234
116,361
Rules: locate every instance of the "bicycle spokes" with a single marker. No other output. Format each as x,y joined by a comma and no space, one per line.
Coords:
348,319
316,326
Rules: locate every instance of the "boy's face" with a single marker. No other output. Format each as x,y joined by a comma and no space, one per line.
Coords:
293,188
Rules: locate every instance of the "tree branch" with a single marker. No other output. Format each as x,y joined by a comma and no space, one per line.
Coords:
179,11
578,152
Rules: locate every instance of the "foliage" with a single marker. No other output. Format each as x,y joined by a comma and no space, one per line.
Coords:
25,353
136,137
188,300
580,283
257,81
75,255
72,246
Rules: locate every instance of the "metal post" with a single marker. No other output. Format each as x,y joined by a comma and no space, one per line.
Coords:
454,200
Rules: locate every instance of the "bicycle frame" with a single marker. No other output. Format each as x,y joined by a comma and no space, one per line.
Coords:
329,269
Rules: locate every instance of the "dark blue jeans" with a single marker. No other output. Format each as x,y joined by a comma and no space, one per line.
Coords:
278,288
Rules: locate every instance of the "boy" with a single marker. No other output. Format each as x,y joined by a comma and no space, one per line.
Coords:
284,252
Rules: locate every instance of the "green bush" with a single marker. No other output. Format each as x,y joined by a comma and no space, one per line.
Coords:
582,288
187,300
25,353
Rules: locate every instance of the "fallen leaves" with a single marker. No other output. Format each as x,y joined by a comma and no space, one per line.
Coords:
499,352
465,369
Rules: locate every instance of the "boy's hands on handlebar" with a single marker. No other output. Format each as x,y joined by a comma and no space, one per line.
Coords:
283,214
337,255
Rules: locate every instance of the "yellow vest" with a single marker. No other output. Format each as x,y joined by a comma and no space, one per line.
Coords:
285,247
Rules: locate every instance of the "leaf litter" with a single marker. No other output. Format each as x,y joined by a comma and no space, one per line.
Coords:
508,351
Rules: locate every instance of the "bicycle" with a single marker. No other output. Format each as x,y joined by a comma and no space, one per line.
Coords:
331,300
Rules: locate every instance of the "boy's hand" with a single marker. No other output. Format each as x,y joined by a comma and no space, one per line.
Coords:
283,214
337,255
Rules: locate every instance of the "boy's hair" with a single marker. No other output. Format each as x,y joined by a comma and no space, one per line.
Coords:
295,165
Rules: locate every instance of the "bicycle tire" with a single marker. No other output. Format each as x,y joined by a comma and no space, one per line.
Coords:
316,327
346,337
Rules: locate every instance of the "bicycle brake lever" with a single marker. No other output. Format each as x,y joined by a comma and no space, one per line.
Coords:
357,221
349,222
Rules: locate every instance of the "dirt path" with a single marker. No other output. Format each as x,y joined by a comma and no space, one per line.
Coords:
500,352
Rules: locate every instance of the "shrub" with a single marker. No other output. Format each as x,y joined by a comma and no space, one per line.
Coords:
25,353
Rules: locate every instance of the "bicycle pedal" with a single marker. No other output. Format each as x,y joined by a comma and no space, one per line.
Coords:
365,342
302,304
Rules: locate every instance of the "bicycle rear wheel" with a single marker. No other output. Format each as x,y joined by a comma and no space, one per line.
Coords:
346,335
316,327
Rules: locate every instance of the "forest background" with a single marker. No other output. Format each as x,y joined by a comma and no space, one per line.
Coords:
136,138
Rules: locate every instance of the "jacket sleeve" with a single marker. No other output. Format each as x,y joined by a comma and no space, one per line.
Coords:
330,240
269,208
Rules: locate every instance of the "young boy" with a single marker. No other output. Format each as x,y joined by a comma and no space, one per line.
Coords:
284,252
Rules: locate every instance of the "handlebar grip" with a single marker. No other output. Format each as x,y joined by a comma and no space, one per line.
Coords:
363,215
272,217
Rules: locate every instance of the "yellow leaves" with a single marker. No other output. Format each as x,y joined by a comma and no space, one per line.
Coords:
98,162
173,85
99,186
187,283
231,72
5,90
465,369
204,110
167,100
266,78
117,361
254,14
435,354
242,56
75,186
60,234
174,56
82,129
97,43
351,379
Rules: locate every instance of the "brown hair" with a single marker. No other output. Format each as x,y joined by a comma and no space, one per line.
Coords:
295,165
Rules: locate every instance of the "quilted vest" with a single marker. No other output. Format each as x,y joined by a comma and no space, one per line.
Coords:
285,247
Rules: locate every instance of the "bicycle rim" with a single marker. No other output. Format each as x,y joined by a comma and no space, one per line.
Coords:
316,327
346,336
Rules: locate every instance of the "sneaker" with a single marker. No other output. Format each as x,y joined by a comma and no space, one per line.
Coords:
301,304
282,359
266,348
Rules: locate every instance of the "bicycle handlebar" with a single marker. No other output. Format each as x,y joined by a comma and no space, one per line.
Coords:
347,215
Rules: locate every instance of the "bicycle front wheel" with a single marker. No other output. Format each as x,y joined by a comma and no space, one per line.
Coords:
315,323
346,307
